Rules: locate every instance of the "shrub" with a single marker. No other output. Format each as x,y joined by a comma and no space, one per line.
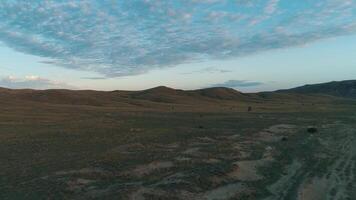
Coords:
312,130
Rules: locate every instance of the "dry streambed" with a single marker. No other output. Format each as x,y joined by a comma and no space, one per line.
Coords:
224,167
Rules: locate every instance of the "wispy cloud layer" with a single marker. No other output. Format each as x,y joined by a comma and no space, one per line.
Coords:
119,38
209,70
33,82
238,83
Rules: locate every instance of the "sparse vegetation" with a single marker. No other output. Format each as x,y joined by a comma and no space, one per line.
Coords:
132,148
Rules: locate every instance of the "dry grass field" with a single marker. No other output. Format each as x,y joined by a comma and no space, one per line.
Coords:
172,144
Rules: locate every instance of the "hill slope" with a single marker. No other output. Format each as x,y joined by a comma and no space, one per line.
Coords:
164,98
346,89
220,93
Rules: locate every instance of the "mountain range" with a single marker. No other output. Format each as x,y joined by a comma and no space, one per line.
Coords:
166,95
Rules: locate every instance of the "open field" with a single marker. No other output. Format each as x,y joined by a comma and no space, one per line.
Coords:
200,145
266,108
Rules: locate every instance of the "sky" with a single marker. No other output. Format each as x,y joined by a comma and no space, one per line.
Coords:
249,45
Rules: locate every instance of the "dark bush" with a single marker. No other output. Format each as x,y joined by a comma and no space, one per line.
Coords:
312,130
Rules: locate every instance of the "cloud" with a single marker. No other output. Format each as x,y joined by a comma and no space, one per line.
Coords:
238,83
271,6
94,78
208,70
121,38
33,82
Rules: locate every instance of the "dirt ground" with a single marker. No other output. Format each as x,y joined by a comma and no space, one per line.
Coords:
61,152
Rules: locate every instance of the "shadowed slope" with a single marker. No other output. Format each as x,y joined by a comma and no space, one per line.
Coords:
346,89
221,93
160,94
58,96
168,95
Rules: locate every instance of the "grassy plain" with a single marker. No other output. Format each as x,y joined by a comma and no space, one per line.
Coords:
167,144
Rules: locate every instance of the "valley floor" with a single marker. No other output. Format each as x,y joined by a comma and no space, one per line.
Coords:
110,154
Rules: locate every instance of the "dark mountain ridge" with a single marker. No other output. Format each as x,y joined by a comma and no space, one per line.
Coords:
345,89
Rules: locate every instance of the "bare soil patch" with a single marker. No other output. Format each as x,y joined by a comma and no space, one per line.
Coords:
143,170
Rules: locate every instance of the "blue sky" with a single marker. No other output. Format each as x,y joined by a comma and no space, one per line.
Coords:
250,45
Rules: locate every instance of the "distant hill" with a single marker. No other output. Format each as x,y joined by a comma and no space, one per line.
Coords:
164,94
165,97
60,96
221,93
160,94
346,89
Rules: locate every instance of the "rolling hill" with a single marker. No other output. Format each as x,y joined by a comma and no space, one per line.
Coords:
164,143
345,89
165,97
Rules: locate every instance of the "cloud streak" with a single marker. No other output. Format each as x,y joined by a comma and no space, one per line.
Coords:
33,82
238,83
209,70
121,38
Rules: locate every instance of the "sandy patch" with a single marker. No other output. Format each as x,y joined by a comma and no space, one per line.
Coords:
217,180
269,137
246,170
211,160
169,146
183,159
224,192
234,137
177,178
85,171
78,184
242,152
136,129
282,128
313,190
141,192
192,151
206,139
268,154
275,133
128,148
143,170
200,143
279,188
